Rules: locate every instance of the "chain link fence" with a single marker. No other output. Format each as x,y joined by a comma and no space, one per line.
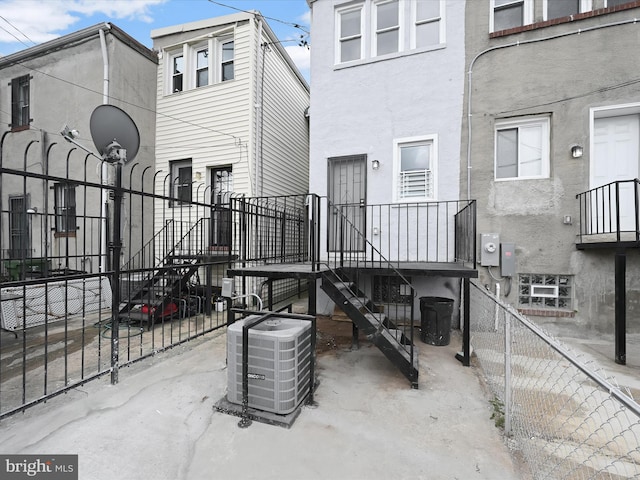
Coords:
566,418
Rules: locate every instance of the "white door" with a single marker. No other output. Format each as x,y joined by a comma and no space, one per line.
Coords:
616,157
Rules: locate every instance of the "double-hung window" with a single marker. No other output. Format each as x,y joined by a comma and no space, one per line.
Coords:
427,24
511,13
202,67
65,208
181,182
564,8
415,167
227,57
522,149
387,27
20,103
177,73
350,34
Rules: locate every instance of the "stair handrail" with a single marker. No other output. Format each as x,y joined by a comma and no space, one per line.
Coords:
344,221
131,263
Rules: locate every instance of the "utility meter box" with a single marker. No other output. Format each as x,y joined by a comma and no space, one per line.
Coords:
507,259
489,249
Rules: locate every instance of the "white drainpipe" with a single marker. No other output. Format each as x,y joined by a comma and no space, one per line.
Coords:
104,192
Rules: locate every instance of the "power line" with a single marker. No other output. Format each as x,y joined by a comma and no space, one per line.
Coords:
294,25
17,30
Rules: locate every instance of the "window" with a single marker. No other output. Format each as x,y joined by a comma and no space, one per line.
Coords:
65,208
565,8
350,35
18,227
20,103
510,14
226,61
369,29
522,149
181,182
177,73
391,290
202,67
387,27
427,25
545,291
415,167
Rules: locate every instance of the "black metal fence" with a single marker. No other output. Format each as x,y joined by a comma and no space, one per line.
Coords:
610,213
77,299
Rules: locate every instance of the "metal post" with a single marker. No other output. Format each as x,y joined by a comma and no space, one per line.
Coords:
620,307
245,421
466,335
116,248
507,373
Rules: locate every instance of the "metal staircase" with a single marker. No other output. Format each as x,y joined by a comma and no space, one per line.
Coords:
161,293
394,342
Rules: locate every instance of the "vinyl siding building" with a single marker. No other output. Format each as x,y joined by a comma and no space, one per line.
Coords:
231,109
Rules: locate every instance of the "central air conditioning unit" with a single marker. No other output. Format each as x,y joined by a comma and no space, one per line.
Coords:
279,363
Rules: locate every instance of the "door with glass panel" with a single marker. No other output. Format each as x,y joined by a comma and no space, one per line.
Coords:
221,188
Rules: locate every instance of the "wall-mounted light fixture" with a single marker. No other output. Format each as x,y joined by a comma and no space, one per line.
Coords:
577,151
32,210
375,164
198,176
567,220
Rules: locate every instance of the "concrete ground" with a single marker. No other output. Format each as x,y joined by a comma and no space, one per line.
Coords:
159,421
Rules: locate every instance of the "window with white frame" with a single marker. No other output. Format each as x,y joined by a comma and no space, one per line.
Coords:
387,27
545,291
369,29
227,57
202,67
428,25
180,182
201,64
350,29
510,13
522,149
564,8
177,72
415,164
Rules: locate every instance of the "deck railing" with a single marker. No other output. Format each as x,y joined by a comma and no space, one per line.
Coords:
610,213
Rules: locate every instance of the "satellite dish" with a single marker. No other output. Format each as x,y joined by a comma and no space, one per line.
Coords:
112,129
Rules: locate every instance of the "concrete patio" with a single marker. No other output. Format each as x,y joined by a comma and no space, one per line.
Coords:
159,421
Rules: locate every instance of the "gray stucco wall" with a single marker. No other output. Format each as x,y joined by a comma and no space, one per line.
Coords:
564,78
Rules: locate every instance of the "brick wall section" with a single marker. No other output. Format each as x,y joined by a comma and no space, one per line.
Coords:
569,19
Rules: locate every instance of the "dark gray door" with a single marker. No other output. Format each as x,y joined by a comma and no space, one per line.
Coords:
347,194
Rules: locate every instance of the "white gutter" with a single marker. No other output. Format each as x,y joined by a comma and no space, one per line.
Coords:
104,195
257,165
516,44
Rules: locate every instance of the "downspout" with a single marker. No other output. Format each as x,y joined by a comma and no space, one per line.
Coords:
257,112
104,195
515,44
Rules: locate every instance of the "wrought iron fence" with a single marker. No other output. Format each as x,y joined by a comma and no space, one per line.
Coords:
567,418
79,301
610,213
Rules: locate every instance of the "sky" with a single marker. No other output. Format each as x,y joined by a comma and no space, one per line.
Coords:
25,23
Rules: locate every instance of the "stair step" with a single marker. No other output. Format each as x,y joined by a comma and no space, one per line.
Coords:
375,318
135,315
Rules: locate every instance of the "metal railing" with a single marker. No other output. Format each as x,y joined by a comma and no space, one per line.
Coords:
567,418
59,284
610,213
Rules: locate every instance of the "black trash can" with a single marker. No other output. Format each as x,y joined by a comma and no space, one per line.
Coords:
435,320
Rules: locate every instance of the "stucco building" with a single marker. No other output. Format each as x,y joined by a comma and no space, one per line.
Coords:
552,106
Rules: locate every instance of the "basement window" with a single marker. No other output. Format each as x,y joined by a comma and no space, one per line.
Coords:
387,289
545,291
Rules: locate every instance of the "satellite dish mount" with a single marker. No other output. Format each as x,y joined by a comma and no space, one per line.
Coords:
117,139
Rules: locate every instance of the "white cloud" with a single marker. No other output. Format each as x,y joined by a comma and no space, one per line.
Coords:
34,21
301,56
